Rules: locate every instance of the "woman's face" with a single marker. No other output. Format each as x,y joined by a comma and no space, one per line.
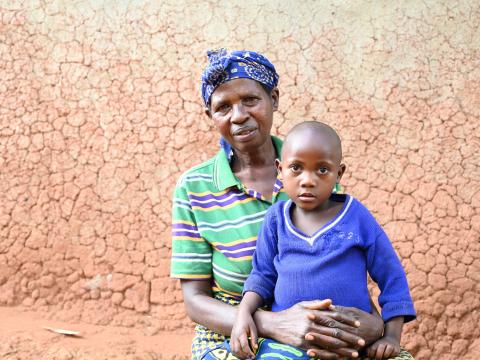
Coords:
243,113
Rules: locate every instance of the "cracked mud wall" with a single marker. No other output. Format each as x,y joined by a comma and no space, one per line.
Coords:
100,113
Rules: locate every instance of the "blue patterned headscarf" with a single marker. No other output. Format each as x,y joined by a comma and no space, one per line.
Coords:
224,66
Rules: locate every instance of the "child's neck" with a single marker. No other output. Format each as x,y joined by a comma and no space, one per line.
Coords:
310,221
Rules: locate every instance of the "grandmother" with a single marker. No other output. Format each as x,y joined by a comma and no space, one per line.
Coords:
218,207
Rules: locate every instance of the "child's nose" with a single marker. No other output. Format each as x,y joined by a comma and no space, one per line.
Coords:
308,179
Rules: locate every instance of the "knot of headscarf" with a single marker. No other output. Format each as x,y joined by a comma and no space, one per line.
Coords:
224,66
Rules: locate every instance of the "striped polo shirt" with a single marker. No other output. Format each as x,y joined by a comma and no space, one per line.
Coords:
216,220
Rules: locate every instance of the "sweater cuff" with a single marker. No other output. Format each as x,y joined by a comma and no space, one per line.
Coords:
394,309
256,285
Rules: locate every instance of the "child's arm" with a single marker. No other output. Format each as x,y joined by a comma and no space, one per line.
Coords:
245,326
389,344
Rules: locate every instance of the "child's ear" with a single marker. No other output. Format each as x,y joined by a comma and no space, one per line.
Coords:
341,171
278,164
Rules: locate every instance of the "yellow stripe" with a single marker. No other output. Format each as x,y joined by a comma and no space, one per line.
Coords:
243,258
235,242
208,193
190,276
216,207
188,238
217,288
183,222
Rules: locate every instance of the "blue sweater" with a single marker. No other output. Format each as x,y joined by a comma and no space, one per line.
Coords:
290,266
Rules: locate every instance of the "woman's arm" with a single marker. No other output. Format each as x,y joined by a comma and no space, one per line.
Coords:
331,329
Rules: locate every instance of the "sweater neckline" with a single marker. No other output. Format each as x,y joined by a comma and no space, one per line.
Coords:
326,227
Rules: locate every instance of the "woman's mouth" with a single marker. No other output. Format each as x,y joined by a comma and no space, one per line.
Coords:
244,134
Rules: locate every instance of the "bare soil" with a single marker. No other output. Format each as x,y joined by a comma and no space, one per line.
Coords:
23,336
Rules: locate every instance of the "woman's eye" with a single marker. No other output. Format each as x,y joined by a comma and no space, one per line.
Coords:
223,109
250,101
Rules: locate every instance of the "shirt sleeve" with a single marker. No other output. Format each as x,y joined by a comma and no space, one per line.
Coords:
263,277
386,270
191,254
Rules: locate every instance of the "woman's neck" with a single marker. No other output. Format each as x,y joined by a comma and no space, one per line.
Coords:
262,157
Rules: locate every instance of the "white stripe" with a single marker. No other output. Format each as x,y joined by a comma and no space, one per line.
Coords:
226,222
198,178
198,175
242,276
192,260
226,227
185,230
308,239
181,201
184,207
238,250
228,277
191,254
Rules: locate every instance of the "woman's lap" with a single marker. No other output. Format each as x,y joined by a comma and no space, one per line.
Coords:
272,350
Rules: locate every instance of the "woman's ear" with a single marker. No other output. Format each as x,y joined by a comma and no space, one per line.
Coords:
278,165
275,98
208,113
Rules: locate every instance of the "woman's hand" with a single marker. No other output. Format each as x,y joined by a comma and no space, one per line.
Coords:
311,325
371,326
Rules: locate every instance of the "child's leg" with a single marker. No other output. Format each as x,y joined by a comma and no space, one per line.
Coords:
269,349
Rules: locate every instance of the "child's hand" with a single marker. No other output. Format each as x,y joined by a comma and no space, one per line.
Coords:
244,327
384,348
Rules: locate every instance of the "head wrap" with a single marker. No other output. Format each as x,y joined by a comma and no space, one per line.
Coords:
224,66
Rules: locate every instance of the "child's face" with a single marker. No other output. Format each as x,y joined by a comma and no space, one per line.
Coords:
310,167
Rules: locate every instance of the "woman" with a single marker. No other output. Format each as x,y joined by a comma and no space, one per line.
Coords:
218,207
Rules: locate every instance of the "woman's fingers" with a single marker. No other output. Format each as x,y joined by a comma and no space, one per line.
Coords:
344,337
329,326
322,354
317,304
334,318
332,344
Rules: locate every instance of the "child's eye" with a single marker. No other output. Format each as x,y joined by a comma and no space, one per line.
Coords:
323,170
295,168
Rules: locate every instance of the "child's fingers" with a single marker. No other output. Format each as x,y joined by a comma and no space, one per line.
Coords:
245,348
253,338
372,349
234,346
380,351
388,351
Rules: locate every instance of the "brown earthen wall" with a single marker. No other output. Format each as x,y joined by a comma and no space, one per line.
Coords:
100,113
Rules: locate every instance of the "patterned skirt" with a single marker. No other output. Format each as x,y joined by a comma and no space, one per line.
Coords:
208,345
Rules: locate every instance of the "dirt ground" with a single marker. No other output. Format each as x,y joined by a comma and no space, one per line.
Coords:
23,336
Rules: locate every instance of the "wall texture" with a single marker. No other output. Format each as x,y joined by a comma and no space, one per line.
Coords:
100,113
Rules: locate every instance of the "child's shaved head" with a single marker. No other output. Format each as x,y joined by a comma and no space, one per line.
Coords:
315,131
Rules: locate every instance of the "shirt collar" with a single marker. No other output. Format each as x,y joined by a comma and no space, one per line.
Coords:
223,175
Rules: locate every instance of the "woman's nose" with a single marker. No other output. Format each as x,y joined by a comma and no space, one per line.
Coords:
239,115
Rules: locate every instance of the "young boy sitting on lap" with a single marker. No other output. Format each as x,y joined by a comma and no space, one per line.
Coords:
320,245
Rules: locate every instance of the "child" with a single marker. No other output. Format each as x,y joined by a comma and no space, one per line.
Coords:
320,245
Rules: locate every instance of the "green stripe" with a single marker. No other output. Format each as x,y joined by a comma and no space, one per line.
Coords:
286,348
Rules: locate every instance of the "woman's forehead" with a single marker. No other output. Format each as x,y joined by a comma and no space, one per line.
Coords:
236,87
